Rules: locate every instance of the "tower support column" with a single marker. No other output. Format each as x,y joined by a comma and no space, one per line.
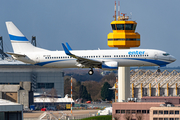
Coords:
123,83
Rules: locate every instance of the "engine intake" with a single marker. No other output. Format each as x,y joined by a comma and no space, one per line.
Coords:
109,65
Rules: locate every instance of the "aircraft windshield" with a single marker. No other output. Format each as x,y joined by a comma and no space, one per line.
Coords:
166,54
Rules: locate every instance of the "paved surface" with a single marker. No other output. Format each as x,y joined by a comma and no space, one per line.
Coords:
36,114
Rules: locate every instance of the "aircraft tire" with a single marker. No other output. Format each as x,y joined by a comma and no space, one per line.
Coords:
90,72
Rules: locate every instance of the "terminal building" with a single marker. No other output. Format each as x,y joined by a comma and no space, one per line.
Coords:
149,83
42,79
155,95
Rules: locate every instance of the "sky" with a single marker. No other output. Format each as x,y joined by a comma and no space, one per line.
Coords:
85,24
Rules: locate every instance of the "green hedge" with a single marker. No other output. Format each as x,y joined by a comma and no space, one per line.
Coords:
104,117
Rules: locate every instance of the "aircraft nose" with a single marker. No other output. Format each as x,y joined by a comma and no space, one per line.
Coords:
172,58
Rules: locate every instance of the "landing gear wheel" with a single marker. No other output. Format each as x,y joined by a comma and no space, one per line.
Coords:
90,72
158,70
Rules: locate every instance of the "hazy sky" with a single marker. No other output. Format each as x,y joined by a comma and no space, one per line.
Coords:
85,24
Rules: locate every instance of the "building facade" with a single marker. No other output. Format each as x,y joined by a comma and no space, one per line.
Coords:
149,108
42,79
157,83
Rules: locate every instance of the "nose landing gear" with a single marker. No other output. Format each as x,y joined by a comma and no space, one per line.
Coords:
90,72
158,70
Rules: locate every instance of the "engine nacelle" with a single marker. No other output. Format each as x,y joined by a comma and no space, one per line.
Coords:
109,65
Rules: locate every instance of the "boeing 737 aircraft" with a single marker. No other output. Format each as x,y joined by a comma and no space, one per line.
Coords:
104,59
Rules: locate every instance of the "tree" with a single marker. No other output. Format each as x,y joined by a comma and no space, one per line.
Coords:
116,116
139,116
128,116
106,93
53,95
83,93
44,96
93,89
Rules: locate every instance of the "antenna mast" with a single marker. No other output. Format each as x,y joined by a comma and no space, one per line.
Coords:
118,10
115,12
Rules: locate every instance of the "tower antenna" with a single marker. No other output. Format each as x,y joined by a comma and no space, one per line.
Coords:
115,12
118,10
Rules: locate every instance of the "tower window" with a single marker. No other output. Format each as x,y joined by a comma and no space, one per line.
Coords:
129,27
113,26
134,26
120,26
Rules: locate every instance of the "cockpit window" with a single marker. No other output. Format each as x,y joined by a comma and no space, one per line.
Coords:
166,54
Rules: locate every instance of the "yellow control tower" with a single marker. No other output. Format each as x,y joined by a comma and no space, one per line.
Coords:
123,35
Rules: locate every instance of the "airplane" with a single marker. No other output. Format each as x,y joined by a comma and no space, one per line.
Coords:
109,59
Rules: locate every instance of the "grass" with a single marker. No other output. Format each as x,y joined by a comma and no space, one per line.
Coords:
104,117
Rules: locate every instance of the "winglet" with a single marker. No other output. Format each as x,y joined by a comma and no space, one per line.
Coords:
69,48
66,50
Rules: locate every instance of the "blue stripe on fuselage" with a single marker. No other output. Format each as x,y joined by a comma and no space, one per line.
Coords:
18,38
44,63
157,62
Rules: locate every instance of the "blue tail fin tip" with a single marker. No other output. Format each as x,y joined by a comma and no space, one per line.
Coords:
68,46
66,50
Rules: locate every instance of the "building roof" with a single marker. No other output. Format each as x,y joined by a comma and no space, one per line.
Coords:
50,100
6,105
9,88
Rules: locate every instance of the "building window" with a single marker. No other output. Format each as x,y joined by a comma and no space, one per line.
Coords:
176,118
122,111
160,118
128,111
148,111
117,111
165,112
41,85
45,85
171,118
160,112
171,112
176,112
144,111
138,111
155,112
165,118
133,111
155,118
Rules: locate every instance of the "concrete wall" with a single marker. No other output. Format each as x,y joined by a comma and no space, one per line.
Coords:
20,73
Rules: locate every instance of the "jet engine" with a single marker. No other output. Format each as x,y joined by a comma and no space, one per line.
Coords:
106,65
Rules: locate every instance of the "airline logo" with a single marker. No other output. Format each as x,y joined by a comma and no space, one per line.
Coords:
136,52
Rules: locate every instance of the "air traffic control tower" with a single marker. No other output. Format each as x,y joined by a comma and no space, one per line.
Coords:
123,37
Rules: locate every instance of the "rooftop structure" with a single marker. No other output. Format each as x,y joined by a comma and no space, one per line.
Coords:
10,110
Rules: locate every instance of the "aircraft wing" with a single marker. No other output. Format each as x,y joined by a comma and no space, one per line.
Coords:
16,54
83,61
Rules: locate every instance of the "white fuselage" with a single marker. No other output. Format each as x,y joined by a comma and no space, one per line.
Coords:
124,57
104,59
